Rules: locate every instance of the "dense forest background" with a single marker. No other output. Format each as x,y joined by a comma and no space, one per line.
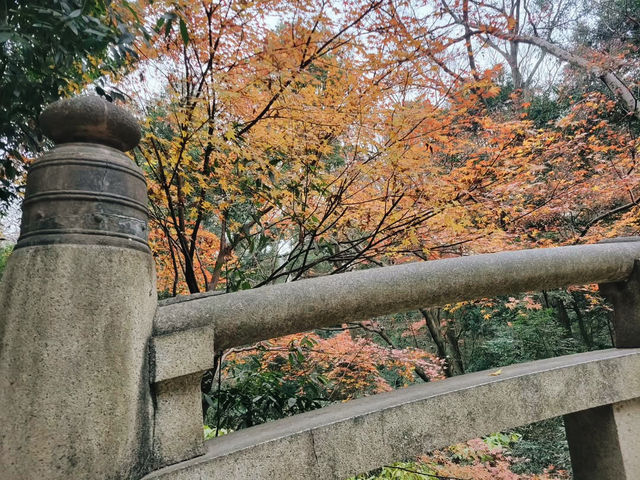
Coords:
284,140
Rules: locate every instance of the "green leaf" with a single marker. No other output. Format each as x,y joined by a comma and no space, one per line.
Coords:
167,27
73,28
184,33
208,399
95,32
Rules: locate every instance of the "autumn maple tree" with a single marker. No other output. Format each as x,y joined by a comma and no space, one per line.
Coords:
250,142
285,140
364,133
295,140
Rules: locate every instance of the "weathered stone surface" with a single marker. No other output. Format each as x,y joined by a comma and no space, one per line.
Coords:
178,433
90,119
605,442
85,193
181,353
75,322
341,440
252,315
178,361
189,297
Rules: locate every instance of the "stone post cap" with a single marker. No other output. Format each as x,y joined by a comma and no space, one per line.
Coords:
91,119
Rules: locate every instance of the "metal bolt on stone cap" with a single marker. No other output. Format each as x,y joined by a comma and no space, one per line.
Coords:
90,119
86,190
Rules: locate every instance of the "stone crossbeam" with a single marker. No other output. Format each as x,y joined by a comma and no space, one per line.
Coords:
249,316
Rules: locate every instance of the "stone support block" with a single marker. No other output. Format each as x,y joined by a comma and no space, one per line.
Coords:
625,298
181,353
604,442
178,361
178,433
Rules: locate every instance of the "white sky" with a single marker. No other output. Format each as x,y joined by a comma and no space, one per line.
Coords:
10,224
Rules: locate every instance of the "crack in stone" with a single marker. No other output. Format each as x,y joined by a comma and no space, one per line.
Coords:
313,447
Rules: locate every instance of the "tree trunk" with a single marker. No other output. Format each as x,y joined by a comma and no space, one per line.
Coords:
457,367
609,78
190,277
581,325
563,316
444,343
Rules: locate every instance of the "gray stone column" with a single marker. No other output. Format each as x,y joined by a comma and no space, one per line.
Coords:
604,442
77,302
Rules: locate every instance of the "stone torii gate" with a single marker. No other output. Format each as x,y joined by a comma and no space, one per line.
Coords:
100,381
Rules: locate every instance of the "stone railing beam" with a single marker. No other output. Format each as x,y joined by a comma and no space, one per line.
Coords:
248,316
345,439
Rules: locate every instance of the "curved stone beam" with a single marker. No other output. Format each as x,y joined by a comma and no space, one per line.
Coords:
350,438
248,316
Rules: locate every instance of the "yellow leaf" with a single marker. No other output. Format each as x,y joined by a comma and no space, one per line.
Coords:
496,373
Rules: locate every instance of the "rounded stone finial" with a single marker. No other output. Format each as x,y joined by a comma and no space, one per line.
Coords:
90,119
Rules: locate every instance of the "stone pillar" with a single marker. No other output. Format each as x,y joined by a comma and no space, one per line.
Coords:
625,299
77,302
604,442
